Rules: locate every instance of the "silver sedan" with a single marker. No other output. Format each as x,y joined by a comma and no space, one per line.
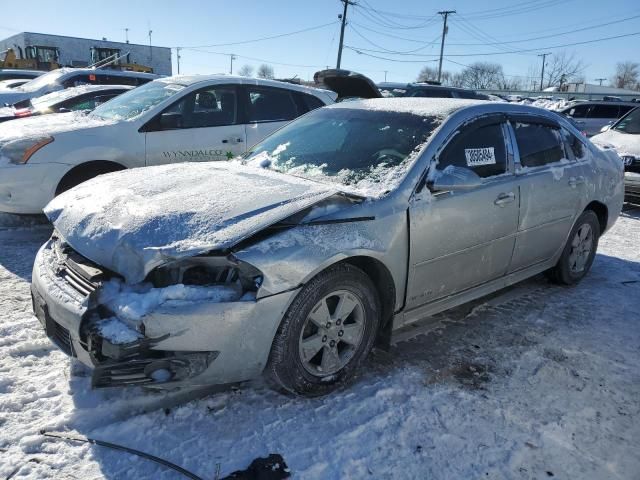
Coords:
347,224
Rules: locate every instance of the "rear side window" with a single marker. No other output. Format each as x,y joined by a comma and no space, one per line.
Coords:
538,144
604,111
624,109
482,149
270,105
311,102
579,111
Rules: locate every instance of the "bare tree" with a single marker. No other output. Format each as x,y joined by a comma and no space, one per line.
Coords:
246,71
265,71
560,67
481,75
627,75
510,83
430,74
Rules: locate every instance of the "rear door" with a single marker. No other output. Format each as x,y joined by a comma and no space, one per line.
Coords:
207,125
267,109
550,170
463,239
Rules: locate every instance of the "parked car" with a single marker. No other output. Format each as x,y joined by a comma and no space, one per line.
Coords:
624,137
592,116
84,97
72,77
429,90
11,73
176,119
350,222
13,83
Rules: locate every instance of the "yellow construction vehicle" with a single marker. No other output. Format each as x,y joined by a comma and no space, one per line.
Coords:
38,58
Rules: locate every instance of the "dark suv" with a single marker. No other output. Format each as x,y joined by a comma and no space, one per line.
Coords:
392,89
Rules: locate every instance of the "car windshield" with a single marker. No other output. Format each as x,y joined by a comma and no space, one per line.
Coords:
137,101
369,150
629,123
41,81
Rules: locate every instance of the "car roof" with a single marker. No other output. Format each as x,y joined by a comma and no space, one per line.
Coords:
188,80
23,71
602,102
107,71
443,107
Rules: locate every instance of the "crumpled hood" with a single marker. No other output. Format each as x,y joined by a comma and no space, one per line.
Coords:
135,220
48,125
623,143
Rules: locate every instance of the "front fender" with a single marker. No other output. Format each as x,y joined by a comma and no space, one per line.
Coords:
291,257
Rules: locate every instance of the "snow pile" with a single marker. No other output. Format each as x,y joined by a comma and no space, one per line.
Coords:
117,332
537,382
133,221
547,103
131,303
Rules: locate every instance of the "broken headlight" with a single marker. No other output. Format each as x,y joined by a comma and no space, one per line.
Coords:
208,272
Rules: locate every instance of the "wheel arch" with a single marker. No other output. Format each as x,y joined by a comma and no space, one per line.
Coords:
385,286
95,167
601,211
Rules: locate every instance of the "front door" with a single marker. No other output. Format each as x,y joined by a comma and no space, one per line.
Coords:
464,238
203,125
551,179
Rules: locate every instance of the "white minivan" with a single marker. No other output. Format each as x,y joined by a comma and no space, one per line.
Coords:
169,120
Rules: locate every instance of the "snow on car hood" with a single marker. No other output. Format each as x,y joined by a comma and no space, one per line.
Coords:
623,143
133,221
38,126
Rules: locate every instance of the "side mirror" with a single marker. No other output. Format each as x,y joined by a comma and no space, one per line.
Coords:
605,128
454,178
170,121
63,110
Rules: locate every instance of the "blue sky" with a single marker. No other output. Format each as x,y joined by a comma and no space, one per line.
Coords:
377,25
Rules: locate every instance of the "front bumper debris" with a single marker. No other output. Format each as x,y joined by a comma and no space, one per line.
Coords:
199,344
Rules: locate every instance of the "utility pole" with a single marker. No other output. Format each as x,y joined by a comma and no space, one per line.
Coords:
544,57
178,58
385,75
344,23
232,57
150,49
600,80
445,14
126,34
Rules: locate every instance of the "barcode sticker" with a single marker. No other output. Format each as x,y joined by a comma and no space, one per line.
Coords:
480,156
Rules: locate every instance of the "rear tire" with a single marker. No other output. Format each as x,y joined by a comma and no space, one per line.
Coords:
579,252
326,334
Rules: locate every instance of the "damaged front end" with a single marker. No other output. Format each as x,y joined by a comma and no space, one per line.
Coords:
152,334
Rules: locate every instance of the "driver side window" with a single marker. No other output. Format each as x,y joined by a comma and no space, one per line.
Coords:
481,149
209,107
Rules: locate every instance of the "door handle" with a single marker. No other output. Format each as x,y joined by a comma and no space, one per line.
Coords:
575,181
504,198
234,140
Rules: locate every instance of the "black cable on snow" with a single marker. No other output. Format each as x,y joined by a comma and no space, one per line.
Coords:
122,448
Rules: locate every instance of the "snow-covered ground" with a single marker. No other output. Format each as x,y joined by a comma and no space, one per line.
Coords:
537,382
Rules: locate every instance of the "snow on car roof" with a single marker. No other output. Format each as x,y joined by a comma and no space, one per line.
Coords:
426,107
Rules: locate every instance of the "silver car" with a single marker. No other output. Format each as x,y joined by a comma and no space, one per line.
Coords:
590,117
345,225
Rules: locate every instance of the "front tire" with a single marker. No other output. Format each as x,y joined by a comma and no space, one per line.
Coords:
326,334
579,252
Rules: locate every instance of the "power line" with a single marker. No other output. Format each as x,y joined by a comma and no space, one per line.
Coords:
585,42
317,27
360,52
424,44
510,11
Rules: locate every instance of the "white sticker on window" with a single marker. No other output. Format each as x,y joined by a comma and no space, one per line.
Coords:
480,156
